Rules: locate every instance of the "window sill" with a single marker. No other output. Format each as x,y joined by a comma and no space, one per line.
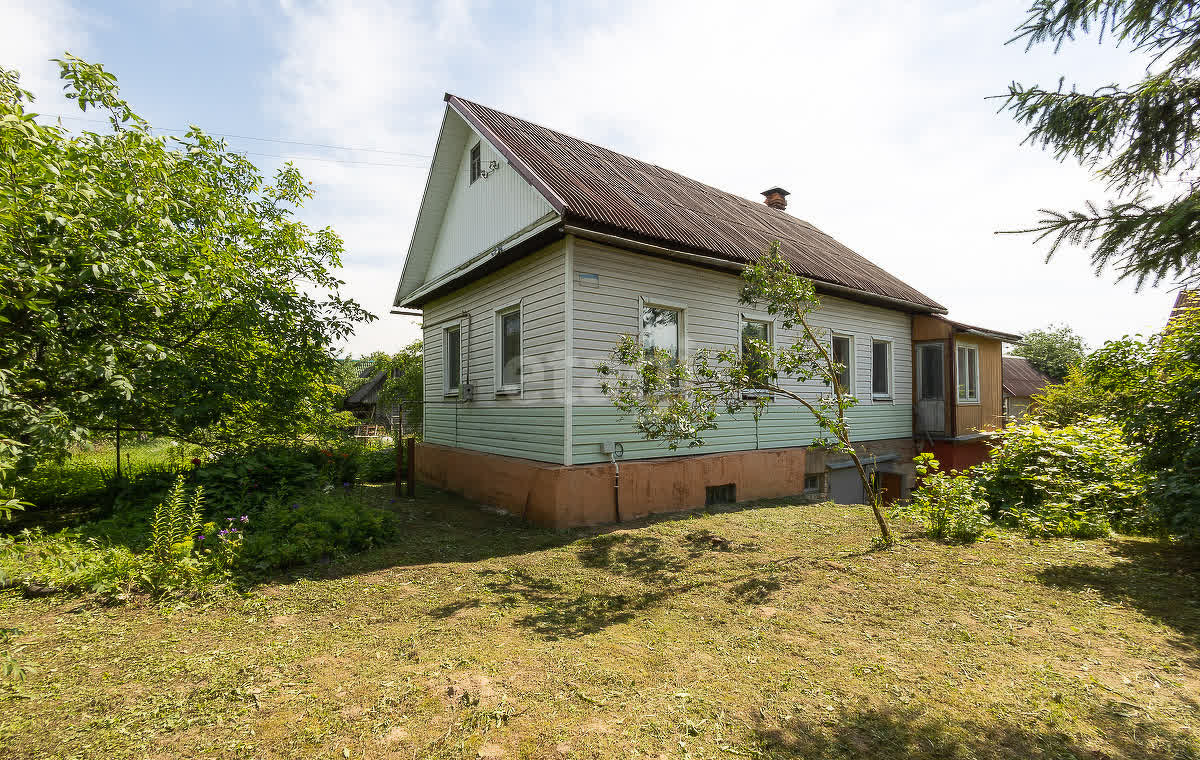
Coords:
961,402
881,398
508,391
450,394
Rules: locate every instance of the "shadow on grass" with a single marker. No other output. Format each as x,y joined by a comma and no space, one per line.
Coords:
906,734
642,557
561,613
1160,579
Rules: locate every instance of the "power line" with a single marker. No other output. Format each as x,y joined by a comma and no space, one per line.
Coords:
262,139
330,160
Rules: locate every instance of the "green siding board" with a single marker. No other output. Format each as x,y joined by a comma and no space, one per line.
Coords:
781,426
529,432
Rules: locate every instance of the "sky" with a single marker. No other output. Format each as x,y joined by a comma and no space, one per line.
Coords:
878,117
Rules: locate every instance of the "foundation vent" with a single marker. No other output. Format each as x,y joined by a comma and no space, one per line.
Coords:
726,494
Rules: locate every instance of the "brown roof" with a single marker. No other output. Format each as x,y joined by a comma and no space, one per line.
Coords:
605,191
1020,378
1185,300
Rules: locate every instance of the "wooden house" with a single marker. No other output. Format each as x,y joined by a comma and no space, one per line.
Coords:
957,389
534,252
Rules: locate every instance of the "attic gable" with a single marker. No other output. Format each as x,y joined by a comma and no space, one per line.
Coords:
463,216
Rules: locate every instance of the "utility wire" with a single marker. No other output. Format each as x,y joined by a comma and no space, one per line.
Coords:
262,139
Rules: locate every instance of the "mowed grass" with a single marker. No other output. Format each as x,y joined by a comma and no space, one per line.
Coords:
768,631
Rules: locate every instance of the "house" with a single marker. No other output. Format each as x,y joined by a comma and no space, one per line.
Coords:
957,388
534,252
1022,381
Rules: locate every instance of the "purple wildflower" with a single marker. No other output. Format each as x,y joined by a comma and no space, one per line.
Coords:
200,537
245,519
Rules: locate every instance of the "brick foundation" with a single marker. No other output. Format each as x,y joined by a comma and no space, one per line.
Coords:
560,496
567,496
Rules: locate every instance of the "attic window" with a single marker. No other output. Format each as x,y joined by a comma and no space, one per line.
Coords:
476,164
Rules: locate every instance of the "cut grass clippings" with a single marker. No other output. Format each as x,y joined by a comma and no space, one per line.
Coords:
750,632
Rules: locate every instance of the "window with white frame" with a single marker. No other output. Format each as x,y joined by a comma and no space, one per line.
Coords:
451,359
881,368
756,344
508,353
662,330
968,373
843,353
476,163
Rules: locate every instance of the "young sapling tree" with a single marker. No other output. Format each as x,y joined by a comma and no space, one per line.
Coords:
678,400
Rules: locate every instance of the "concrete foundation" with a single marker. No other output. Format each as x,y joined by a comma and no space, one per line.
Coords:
562,496
568,496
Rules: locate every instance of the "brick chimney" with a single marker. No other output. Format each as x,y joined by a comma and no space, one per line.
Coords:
776,197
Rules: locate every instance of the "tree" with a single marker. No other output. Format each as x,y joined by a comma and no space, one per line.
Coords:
1052,351
1070,402
404,382
1152,389
156,285
1136,137
679,401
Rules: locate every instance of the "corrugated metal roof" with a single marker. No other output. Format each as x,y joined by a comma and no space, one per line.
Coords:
598,188
1020,378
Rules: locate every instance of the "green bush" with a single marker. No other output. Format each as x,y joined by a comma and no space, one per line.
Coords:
949,506
377,464
182,555
1082,480
323,526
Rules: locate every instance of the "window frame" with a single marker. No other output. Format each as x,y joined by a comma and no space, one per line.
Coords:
891,370
447,390
659,303
959,347
503,389
850,366
476,161
762,319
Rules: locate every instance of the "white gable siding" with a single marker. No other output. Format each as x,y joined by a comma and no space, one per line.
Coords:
482,214
604,312
529,425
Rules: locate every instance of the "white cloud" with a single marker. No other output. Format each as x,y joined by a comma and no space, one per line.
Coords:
874,116
34,32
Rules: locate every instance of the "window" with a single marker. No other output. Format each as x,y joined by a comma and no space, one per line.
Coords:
756,359
726,494
508,339
452,359
930,372
968,373
812,483
660,331
476,163
843,354
881,369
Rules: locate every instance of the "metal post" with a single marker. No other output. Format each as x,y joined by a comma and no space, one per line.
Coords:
412,467
118,451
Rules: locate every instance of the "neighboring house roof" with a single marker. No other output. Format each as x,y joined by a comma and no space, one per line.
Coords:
606,192
1187,299
1020,378
368,392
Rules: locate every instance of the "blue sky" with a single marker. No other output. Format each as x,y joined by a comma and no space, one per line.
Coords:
874,115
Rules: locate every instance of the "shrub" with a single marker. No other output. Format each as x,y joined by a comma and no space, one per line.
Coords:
948,506
1082,480
182,555
324,526
377,464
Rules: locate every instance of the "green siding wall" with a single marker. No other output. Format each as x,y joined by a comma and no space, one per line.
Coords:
781,426
529,432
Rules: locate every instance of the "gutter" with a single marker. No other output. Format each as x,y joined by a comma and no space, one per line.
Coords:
733,266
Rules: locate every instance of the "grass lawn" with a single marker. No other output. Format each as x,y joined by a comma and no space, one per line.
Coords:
758,632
